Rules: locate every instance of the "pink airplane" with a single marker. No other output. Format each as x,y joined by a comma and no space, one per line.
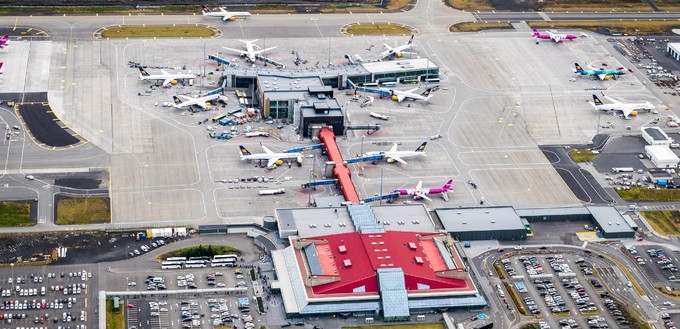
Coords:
420,192
553,36
4,42
1,67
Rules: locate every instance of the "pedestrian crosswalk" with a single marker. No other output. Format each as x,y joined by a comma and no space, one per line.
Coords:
132,319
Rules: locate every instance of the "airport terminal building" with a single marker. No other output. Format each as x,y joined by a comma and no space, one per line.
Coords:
388,262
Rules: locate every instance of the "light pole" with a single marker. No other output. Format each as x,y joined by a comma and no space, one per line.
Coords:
382,169
13,281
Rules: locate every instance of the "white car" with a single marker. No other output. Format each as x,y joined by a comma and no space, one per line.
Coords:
132,284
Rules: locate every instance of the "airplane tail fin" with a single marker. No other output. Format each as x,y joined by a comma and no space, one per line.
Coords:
142,72
535,32
5,38
1,67
578,67
427,92
448,184
421,148
596,100
410,41
244,151
205,9
177,100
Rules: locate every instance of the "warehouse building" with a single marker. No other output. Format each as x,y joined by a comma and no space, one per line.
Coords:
662,156
483,223
655,136
673,49
509,224
363,261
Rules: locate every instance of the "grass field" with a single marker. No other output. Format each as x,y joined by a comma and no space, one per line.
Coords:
470,4
378,29
403,326
645,194
159,31
582,155
514,295
201,250
74,211
629,27
666,222
114,320
15,214
478,26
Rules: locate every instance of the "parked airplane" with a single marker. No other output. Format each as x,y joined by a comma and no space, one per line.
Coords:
4,42
420,192
252,51
627,109
393,155
165,76
396,51
601,74
2,68
272,158
554,36
198,101
400,95
226,15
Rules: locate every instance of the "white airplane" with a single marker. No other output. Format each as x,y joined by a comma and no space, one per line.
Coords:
2,68
165,76
396,51
252,51
271,157
198,101
393,155
627,109
400,95
226,15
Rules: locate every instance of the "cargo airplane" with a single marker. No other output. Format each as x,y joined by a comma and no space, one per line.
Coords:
396,51
393,155
165,76
601,74
252,51
627,109
420,192
400,95
4,42
198,101
225,15
554,36
272,158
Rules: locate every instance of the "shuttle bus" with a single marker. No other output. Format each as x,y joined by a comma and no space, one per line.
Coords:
171,265
195,264
370,84
431,79
216,119
232,257
176,259
222,263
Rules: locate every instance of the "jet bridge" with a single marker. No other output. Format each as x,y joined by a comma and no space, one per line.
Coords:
278,65
304,148
364,159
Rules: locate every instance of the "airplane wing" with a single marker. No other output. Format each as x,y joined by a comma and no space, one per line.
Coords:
423,196
626,112
613,100
226,17
400,97
272,162
268,151
223,10
393,148
242,52
410,91
164,73
186,97
384,55
420,184
602,76
257,52
167,81
408,53
398,159
201,104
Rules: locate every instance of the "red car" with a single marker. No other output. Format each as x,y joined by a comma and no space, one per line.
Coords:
131,306
604,64
630,70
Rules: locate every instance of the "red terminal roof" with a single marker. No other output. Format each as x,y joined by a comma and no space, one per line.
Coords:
341,171
366,253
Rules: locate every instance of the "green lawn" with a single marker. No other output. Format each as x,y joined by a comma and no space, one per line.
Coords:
478,26
582,155
15,214
78,211
645,194
378,29
160,31
201,250
114,320
666,222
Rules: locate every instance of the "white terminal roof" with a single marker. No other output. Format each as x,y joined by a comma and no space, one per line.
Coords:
399,65
661,153
479,219
675,46
656,133
283,83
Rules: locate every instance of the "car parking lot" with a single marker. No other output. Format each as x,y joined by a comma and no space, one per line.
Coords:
46,299
550,286
659,264
198,311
